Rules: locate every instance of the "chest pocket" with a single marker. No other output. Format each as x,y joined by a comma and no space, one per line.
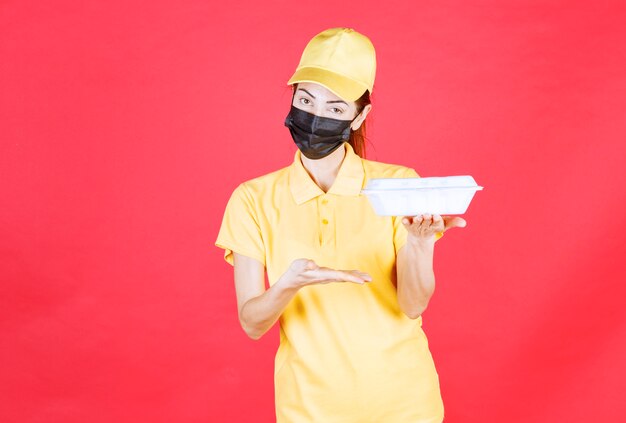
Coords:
294,235
362,235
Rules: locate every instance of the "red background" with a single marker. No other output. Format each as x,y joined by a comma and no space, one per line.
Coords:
125,126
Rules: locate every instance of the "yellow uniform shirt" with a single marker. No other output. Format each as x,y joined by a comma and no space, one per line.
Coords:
347,352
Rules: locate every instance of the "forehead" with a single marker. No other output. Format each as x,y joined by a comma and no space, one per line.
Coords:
319,91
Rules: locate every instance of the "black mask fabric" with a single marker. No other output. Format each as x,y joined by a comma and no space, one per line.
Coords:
316,136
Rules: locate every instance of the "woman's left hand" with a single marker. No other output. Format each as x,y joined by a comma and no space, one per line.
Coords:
426,226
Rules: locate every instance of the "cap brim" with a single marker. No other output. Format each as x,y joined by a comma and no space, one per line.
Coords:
344,88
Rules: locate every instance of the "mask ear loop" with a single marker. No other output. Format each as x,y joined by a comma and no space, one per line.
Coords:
357,115
348,130
350,126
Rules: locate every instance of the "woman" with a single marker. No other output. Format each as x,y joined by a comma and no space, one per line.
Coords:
348,286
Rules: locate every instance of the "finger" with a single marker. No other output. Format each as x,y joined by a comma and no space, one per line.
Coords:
303,264
344,276
363,275
448,221
456,221
310,265
366,276
420,223
438,222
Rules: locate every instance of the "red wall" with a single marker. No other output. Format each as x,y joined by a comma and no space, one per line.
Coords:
125,126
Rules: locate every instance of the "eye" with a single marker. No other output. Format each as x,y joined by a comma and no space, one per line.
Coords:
338,110
305,100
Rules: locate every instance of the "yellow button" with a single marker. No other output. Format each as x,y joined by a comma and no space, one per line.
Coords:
324,201
325,222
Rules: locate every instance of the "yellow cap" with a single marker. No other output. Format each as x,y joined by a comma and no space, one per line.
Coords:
342,60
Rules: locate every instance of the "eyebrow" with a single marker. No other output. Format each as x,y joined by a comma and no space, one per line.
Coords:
331,101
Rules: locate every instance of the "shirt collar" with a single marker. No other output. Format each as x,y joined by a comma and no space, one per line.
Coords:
349,180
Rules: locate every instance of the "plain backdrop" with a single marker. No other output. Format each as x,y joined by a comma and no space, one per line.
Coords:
125,126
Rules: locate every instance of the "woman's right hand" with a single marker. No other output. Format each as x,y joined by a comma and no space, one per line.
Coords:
303,272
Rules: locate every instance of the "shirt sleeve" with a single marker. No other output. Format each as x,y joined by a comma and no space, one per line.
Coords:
240,230
399,231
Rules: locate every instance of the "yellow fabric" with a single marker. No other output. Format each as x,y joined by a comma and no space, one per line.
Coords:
347,352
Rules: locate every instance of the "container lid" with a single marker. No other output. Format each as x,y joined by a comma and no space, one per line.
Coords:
433,182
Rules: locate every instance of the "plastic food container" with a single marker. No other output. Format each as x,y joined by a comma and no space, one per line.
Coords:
412,196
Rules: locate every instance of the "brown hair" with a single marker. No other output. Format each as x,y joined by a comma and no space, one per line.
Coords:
358,137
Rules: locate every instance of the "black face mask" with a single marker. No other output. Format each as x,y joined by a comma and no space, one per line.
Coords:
316,136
